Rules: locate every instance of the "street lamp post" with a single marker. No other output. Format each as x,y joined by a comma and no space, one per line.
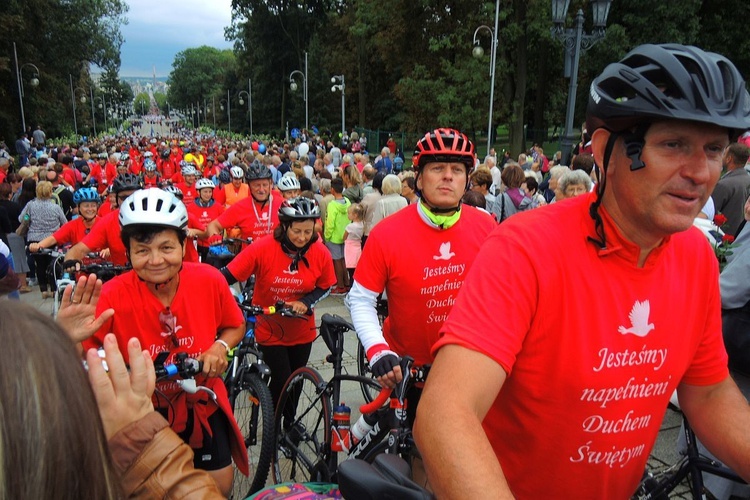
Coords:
341,86
103,107
229,110
213,108
73,100
19,77
249,103
576,41
478,52
293,86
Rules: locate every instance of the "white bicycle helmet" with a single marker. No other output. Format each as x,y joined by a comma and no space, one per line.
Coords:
288,183
237,173
204,183
177,192
153,207
189,169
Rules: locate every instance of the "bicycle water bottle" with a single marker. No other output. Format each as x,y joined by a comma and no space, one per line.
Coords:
340,437
363,426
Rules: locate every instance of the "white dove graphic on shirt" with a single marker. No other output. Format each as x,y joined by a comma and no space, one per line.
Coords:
639,319
445,252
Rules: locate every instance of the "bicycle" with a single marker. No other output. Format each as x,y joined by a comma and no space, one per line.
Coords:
221,254
657,485
363,364
246,380
309,442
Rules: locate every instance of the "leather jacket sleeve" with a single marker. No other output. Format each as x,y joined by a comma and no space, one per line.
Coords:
153,462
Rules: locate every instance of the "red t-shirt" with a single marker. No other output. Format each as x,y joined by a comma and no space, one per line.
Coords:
73,232
105,209
274,281
106,234
110,172
189,193
71,176
220,197
137,311
593,345
95,173
151,181
421,283
191,254
253,221
204,216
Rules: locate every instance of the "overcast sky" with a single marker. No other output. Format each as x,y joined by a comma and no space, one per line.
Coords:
159,29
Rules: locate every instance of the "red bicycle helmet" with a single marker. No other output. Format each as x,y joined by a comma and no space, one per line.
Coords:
444,145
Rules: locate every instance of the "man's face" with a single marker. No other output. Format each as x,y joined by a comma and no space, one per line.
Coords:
189,179
683,163
443,183
260,189
123,195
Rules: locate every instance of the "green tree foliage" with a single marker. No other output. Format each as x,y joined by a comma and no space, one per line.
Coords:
199,74
62,38
142,104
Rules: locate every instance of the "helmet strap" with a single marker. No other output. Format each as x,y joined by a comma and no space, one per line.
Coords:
634,142
296,254
441,221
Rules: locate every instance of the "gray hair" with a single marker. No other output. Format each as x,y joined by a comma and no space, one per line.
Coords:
572,178
325,186
391,184
558,171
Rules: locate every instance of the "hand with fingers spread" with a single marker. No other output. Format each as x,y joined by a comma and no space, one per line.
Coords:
122,397
77,314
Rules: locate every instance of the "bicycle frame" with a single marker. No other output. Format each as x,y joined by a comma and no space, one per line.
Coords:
693,465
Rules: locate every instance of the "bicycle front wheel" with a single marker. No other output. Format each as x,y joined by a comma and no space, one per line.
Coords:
253,408
303,429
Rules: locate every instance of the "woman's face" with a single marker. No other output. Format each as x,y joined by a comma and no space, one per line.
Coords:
299,233
405,189
87,209
158,260
206,194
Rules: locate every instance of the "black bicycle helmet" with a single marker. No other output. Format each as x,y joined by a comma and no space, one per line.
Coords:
126,182
444,145
224,176
669,81
300,208
257,171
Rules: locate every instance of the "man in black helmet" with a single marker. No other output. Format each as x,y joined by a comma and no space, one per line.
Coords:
560,382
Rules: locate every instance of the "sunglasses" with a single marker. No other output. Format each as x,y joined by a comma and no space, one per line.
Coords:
168,323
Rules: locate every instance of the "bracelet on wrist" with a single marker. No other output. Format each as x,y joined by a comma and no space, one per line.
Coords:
226,346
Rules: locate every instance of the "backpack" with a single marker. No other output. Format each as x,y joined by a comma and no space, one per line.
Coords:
56,196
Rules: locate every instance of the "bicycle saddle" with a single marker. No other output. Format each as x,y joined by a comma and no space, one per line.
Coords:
332,328
387,478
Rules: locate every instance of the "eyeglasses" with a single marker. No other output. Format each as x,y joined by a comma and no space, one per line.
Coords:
168,323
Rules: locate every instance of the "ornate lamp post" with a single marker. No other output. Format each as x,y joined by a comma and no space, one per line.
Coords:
575,41
73,100
341,86
478,53
249,95
293,86
19,77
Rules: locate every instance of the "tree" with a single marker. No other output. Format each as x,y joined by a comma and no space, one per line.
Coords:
142,103
61,39
198,74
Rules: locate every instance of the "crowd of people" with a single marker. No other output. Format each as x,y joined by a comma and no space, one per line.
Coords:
543,294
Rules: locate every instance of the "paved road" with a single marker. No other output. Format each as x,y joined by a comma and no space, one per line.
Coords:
663,454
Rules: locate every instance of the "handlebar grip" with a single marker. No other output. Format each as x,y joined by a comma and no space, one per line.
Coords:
376,403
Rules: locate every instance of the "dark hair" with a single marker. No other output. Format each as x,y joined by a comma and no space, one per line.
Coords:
145,233
482,178
305,184
532,184
45,457
280,230
5,191
337,185
739,153
584,162
475,199
410,182
28,191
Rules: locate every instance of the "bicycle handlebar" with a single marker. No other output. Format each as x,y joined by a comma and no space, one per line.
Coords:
411,374
279,308
185,367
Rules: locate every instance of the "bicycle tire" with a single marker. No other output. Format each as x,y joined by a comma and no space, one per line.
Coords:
302,441
253,408
363,369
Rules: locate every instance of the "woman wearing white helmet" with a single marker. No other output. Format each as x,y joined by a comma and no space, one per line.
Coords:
289,186
237,190
155,302
204,210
